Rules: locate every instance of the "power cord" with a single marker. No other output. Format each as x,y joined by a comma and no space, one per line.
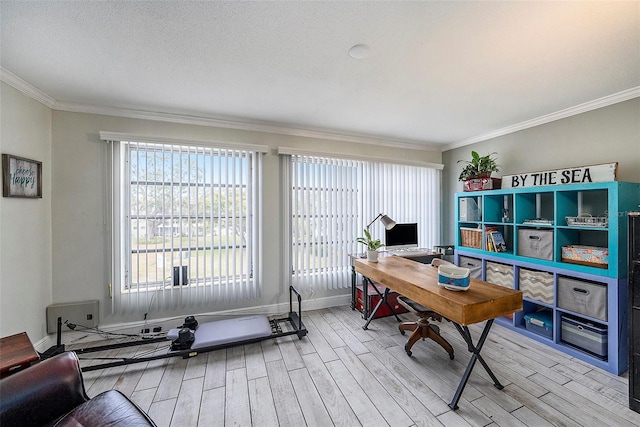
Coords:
93,330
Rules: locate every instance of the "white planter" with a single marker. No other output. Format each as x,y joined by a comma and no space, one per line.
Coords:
372,256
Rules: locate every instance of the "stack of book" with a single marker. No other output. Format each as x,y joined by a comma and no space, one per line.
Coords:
494,240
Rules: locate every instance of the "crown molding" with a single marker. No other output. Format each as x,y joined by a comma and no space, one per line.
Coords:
182,118
605,101
255,126
12,80
252,126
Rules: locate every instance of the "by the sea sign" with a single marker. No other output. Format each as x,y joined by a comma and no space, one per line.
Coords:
576,175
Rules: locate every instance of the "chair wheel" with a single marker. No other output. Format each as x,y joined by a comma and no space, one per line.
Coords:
401,331
451,356
408,353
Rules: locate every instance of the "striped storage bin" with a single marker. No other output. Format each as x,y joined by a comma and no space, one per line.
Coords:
536,285
500,274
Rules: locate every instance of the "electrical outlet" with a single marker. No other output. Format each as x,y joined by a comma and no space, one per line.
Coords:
145,331
157,329
85,314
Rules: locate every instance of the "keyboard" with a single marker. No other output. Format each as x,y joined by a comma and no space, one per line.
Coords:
411,251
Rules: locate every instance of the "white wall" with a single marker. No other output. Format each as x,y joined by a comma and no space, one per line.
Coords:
606,135
79,235
25,224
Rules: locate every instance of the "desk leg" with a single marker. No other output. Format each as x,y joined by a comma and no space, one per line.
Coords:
365,298
353,287
464,331
383,299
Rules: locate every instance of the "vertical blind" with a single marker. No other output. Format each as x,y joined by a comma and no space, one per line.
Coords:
326,203
406,194
189,226
332,200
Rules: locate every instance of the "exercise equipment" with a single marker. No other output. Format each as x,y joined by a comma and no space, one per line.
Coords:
193,338
220,332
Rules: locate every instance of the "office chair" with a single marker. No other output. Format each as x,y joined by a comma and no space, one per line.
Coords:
422,328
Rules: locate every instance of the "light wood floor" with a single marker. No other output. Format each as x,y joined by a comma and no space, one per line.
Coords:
341,375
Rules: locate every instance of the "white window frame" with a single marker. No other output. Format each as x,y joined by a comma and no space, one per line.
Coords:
203,292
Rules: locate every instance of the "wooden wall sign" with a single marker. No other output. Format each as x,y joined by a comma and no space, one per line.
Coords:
21,177
577,175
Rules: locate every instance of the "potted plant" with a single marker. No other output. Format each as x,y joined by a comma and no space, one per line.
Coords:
476,175
372,245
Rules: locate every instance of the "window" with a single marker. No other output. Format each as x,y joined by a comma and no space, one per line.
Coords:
326,205
332,200
189,220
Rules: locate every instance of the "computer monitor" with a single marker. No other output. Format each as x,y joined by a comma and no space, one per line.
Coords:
402,236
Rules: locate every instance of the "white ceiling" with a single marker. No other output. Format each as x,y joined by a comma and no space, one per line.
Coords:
439,74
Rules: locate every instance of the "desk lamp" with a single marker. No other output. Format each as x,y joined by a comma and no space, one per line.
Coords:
385,220
388,224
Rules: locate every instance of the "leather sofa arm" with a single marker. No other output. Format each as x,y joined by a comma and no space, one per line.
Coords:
42,392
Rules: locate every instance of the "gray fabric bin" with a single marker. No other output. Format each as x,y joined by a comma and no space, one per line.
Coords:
535,243
579,296
473,264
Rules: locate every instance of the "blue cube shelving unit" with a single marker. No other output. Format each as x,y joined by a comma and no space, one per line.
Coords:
552,211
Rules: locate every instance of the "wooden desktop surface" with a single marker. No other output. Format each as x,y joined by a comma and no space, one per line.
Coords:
16,351
483,300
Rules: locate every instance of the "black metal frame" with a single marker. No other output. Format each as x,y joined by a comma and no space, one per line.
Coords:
294,319
383,299
466,335
475,350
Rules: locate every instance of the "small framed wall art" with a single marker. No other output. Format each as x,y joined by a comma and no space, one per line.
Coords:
21,177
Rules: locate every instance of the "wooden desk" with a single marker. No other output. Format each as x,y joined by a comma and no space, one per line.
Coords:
16,352
482,302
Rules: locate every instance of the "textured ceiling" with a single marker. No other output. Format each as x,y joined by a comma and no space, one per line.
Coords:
437,73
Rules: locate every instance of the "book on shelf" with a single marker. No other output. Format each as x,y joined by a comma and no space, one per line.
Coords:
489,244
494,241
497,240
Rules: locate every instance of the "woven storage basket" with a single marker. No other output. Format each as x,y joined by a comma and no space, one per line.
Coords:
471,237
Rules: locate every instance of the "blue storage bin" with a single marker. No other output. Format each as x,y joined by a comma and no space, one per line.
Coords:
585,335
540,322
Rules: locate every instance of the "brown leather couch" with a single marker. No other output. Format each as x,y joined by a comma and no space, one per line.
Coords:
51,393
